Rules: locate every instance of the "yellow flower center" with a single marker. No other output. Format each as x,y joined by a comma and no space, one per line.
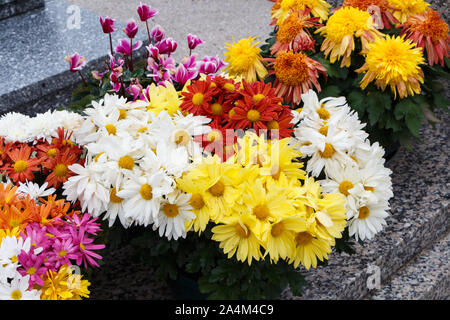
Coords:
344,186
217,189
196,201
16,295
14,259
303,238
14,223
324,114
291,68
242,231
111,129
60,170
328,151
82,247
253,115
214,135
62,253
31,271
369,188
126,162
363,213
170,210
52,152
197,99
146,192
229,86
231,113
217,109
122,115
261,212
273,125
182,137
323,130
289,29
20,166
258,97
277,229
142,130
113,196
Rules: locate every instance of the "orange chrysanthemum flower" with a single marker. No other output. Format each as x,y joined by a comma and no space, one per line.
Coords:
18,215
22,167
8,195
4,148
293,34
430,33
295,74
379,9
60,168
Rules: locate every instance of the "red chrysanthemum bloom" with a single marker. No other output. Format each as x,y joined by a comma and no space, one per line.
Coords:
282,123
218,109
430,33
379,9
198,97
60,168
219,141
4,148
295,74
293,34
63,142
22,165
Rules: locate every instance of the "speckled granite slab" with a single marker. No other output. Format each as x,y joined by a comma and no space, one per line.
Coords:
9,8
419,216
426,277
34,46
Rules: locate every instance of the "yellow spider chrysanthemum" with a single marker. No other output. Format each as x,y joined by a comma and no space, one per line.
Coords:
282,8
404,8
244,59
163,98
394,62
64,285
237,235
340,32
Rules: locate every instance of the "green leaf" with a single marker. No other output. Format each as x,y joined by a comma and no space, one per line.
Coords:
440,101
375,107
402,107
330,91
414,119
356,101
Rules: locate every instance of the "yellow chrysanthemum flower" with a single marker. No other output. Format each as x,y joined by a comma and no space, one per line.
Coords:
64,285
244,59
163,98
405,8
340,32
15,232
237,235
282,8
394,62
309,249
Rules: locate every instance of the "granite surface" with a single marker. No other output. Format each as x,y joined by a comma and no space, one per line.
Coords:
9,8
426,277
33,49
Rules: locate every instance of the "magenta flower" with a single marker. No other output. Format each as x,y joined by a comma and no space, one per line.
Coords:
76,62
157,33
131,29
85,246
32,265
116,67
124,47
115,82
183,75
145,12
107,25
210,65
62,251
135,89
166,46
86,223
153,51
193,41
37,235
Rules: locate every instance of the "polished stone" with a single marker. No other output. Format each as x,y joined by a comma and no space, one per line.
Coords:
9,8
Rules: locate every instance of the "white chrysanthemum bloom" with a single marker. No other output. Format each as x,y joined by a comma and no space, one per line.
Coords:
376,179
88,187
143,195
14,127
369,220
116,209
10,248
174,159
295,117
313,108
42,126
34,190
327,151
70,121
17,289
173,214
367,152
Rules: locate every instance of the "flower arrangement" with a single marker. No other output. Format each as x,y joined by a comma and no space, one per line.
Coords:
385,56
44,240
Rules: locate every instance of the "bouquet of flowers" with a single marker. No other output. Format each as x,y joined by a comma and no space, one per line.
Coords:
44,240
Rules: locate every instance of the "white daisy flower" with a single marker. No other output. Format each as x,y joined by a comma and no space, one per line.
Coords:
10,248
367,152
369,220
34,190
116,209
17,289
173,214
313,108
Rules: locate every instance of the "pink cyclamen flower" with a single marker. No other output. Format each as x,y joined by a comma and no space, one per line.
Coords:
135,90
153,51
167,46
210,65
183,75
108,25
131,29
116,67
115,82
157,33
124,47
145,12
193,41
76,62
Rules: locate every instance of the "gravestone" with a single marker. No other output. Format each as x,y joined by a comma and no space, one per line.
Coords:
9,8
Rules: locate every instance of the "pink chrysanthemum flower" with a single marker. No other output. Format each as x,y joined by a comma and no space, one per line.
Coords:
32,265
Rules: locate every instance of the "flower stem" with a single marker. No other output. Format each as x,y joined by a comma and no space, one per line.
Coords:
131,55
148,32
110,44
82,78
